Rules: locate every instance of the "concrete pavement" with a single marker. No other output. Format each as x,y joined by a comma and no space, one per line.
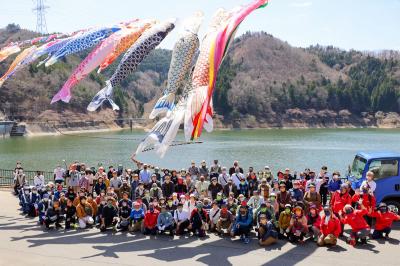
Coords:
22,242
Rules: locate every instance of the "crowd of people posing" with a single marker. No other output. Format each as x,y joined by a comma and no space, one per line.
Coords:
201,200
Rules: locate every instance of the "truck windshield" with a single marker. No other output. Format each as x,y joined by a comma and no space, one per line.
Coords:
358,167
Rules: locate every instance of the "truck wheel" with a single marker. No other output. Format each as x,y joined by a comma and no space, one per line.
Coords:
393,206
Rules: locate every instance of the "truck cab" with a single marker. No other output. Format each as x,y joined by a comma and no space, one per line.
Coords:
385,166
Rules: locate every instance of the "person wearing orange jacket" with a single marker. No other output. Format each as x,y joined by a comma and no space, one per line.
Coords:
366,198
150,220
340,199
384,220
359,227
330,228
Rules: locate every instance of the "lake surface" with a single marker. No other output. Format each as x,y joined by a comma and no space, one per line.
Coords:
278,148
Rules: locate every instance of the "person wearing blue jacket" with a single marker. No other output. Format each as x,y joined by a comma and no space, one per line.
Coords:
34,200
296,193
165,221
335,183
243,224
136,217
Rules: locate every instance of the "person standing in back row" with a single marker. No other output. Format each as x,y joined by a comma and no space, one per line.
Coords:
232,170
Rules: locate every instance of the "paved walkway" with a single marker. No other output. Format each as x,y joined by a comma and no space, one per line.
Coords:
22,242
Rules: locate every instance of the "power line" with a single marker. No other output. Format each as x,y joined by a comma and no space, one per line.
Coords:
40,10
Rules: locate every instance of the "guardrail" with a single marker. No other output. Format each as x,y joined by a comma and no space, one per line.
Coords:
7,177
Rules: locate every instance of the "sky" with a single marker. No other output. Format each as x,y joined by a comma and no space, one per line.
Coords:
347,24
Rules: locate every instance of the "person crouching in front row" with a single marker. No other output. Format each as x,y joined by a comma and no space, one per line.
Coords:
84,212
150,220
109,216
267,234
330,228
243,224
165,222
136,217
384,220
298,226
181,217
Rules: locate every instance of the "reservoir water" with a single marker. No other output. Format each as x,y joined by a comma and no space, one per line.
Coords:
277,148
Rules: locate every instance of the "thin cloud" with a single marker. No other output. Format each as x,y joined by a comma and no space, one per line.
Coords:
301,4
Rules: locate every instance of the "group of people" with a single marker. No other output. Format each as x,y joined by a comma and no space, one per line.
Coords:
202,200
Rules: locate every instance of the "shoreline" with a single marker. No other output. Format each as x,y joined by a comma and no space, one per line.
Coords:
147,129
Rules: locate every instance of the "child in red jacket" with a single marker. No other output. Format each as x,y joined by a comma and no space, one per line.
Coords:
384,220
150,220
330,228
340,199
359,227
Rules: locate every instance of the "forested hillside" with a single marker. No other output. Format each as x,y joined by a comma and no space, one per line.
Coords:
263,82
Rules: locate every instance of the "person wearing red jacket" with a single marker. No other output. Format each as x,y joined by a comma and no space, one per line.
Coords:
150,220
330,228
340,199
368,200
384,220
359,227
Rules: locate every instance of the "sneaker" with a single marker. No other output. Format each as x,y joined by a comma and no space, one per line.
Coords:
246,240
242,237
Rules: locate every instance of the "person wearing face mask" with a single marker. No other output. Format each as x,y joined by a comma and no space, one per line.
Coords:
267,174
220,199
284,220
84,181
81,193
109,216
150,220
202,187
84,212
267,234
384,221
232,170
181,218
145,175
254,203
203,170
155,192
283,197
171,207
190,184
330,228
136,218
140,190
298,226
214,188
53,215
100,185
237,177
295,192
34,199
125,189
312,197
154,180
243,224
124,213
180,187
168,187
340,199
368,200
42,208
198,220
229,188
215,169
193,171
225,221
165,221
369,182
92,202
70,215
25,199
38,181
134,185
314,223
335,183
243,188
214,215
267,209
355,219
223,177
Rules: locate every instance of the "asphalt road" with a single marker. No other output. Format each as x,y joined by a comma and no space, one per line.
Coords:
22,242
